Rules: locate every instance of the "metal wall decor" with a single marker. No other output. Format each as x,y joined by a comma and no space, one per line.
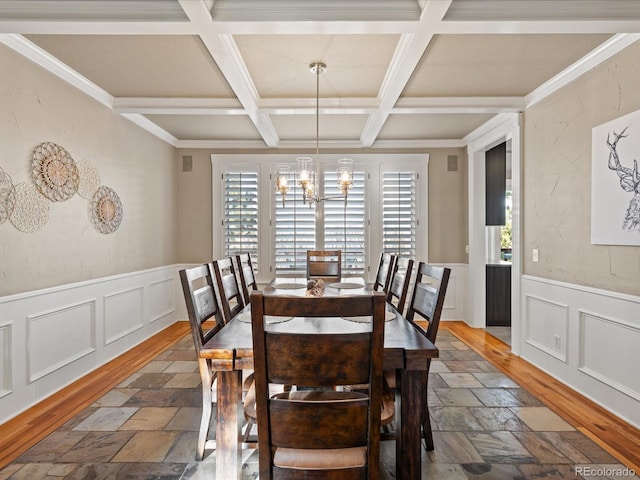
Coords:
31,211
54,172
106,210
89,179
7,196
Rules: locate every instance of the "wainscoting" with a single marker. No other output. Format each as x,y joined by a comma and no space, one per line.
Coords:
50,338
587,338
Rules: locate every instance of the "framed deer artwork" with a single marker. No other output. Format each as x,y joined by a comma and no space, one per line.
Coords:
615,182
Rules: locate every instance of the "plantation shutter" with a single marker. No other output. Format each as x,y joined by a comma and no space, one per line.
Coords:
344,228
241,214
399,216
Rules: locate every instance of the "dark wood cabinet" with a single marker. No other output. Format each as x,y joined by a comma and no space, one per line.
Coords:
499,294
496,184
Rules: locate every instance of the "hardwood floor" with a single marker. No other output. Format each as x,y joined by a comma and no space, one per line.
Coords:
25,430
615,436
619,439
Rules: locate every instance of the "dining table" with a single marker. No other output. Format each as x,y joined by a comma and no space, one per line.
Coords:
406,350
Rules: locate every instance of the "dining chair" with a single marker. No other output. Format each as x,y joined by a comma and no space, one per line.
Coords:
385,270
324,264
399,284
318,432
427,300
247,275
205,320
231,298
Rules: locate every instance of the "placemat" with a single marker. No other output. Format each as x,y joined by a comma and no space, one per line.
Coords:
389,314
346,285
288,286
245,317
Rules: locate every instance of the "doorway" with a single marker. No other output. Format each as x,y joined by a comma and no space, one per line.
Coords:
501,129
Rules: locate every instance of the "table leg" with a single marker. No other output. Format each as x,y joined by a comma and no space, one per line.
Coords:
410,384
229,425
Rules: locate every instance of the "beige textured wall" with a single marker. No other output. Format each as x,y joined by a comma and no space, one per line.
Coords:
557,178
448,208
37,107
448,211
195,242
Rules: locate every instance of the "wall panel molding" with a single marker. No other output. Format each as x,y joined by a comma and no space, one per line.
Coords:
546,326
602,349
602,338
6,342
122,313
50,338
74,323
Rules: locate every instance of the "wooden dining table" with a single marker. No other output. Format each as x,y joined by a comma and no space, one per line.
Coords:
406,350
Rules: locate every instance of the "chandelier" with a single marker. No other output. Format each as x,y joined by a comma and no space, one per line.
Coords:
307,174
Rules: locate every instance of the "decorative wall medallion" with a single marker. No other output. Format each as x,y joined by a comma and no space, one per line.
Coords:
31,212
89,179
106,210
7,196
54,172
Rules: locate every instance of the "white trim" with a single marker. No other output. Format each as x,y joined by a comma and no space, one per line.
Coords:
582,288
151,127
594,58
47,61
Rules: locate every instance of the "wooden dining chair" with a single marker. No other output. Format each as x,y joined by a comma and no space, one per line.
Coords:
399,284
247,275
324,264
318,432
385,271
205,320
231,298
427,300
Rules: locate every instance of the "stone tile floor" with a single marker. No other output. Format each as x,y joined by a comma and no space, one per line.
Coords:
485,427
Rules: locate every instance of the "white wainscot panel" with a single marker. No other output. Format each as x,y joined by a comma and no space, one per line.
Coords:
5,356
122,313
454,301
608,352
58,337
162,298
547,326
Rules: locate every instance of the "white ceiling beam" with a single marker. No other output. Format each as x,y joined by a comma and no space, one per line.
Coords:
47,61
54,27
408,53
178,106
151,127
538,26
225,53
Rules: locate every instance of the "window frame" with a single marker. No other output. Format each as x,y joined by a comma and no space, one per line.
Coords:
372,164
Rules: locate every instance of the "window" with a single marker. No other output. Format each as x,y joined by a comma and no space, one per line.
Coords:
399,217
240,219
384,212
295,230
344,225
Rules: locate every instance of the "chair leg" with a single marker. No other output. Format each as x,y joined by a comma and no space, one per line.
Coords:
204,424
426,428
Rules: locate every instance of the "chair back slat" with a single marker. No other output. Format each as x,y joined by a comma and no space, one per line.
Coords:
324,264
247,275
427,300
231,299
399,286
385,272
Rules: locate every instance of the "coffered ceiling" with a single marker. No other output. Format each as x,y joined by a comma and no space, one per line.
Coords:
234,73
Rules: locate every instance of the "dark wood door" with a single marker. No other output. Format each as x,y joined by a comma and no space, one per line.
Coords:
499,295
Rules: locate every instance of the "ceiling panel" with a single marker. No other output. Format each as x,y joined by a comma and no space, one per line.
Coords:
495,65
279,64
142,65
332,127
431,127
207,127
